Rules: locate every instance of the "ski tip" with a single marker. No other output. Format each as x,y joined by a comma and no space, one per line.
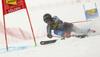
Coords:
47,42
42,43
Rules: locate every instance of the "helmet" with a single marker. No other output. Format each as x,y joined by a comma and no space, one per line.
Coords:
47,17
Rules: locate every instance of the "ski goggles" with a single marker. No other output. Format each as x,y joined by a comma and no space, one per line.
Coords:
46,20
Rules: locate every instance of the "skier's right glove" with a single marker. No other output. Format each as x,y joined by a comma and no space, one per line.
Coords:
49,35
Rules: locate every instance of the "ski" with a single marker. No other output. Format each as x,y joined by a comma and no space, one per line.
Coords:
53,41
80,36
48,42
77,36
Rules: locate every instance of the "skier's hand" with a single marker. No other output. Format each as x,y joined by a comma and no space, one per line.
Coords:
49,35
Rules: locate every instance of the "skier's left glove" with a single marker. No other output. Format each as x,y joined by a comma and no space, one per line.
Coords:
49,35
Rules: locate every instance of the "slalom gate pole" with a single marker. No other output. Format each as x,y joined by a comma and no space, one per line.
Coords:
31,26
5,33
4,25
79,21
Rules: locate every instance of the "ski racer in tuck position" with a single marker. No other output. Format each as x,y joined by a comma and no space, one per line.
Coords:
61,28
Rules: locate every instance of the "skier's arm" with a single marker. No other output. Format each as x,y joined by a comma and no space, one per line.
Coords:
49,32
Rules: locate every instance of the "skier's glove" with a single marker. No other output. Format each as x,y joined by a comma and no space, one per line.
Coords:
49,35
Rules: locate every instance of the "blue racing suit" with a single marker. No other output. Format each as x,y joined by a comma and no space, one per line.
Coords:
59,27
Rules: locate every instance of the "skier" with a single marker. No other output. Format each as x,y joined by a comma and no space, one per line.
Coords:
61,28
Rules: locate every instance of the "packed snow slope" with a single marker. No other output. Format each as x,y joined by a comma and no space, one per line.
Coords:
71,47
71,11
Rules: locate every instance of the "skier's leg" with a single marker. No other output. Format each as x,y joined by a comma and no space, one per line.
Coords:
58,32
67,33
67,30
61,33
81,31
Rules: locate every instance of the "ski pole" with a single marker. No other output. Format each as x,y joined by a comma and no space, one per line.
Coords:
79,21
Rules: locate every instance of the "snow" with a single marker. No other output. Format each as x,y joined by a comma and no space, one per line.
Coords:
72,47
